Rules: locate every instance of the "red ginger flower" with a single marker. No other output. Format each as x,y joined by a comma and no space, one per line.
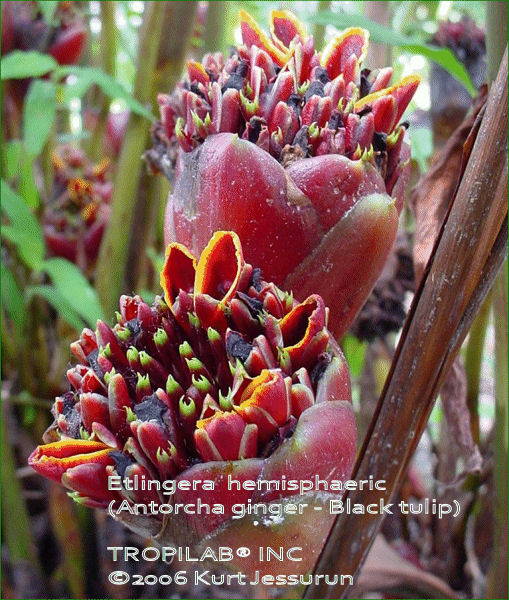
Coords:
24,28
297,151
78,210
227,375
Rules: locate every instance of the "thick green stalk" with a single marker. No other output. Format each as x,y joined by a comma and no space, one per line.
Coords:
496,42
67,531
473,365
108,63
496,39
179,18
379,55
114,249
215,25
138,276
319,31
497,580
16,527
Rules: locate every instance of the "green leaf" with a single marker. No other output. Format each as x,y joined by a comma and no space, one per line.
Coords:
12,155
74,288
24,230
112,88
422,146
19,64
68,138
27,187
355,351
156,259
39,114
12,298
59,303
379,33
48,8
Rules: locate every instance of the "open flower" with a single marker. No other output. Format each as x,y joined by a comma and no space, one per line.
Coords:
225,376
302,153
78,210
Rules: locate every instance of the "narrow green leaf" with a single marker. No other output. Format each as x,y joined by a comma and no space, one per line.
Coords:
48,8
16,529
12,156
24,230
27,188
422,146
74,288
19,64
156,259
69,138
379,33
355,351
59,303
12,298
111,87
39,113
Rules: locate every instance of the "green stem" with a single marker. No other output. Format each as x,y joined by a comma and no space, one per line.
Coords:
138,276
108,60
496,39
473,364
16,526
319,31
10,344
213,37
47,162
179,18
24,398
114,249
497,579
379,55
178,27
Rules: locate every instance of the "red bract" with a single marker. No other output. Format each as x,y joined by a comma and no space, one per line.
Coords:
78,210
26,29
227,375
301,153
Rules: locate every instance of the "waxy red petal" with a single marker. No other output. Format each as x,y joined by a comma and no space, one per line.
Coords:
266,403
402,93
90,480
197,72
221,267
252,35
284,26
52,460
178,272
94,409
335,56
225,436
300,329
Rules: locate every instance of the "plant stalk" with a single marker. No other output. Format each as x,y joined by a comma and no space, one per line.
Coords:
473,365
16,528
319,30
497,578
215,25
108,63
178,28
114,249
